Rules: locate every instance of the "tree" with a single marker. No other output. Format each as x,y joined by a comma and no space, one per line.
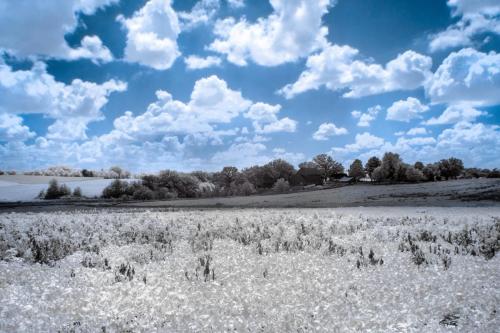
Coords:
280,169
117,170
419,165
414,174
373,163
308,165
451,168
77,192
328,165
115,190
378,174
281,186
356,170
225,177
431,172
391,164
53,190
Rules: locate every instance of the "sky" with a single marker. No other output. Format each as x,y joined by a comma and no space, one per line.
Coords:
202,84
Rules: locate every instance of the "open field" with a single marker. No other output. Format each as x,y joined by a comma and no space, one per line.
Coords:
453,193
380,269
26,188
447,193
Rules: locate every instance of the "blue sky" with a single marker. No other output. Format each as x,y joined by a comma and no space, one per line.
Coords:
188,85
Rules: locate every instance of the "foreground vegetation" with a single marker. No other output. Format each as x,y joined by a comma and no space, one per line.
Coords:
253,270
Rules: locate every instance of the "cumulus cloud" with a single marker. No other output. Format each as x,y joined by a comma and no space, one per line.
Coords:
293,30
211,102
201,13
152,33
475,143
194,62
366,118
476,17
454,114
236,3
12,128
327,130
417,131
337,69
38,28
406,110
467,77
36,91
265,120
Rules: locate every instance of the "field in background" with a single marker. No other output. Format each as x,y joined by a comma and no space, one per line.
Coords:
26,188
258,270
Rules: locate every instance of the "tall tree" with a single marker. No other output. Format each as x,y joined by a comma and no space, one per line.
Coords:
356,169
373,163
391,165
328,165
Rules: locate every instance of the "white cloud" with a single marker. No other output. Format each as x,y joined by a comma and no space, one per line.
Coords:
475,143
201,13
12,128
366,118
38,28
418,141
417,131
241,155
36,91
476,17
336,68
194,62
406,110
265,120
211,102
467,77
152,35
236,3
327,130
91,48
292,31
454,114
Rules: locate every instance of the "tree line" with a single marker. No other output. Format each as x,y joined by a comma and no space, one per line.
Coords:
276,175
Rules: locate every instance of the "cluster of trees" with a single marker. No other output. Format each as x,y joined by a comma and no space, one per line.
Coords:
392,169
229,181
275,176
114,172
56,191
12,173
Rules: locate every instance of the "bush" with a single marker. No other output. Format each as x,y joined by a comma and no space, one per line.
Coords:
77,192
378,174
1,172
414,175
55,191
143,193
281,186
116,189
247,188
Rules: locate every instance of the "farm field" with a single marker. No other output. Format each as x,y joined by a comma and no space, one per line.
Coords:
26,188
379,269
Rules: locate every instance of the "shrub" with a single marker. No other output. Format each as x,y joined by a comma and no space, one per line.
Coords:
414,175
55,191
378,174
356,170
281,186
143,193
247,188
115,190
77,192
1,172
